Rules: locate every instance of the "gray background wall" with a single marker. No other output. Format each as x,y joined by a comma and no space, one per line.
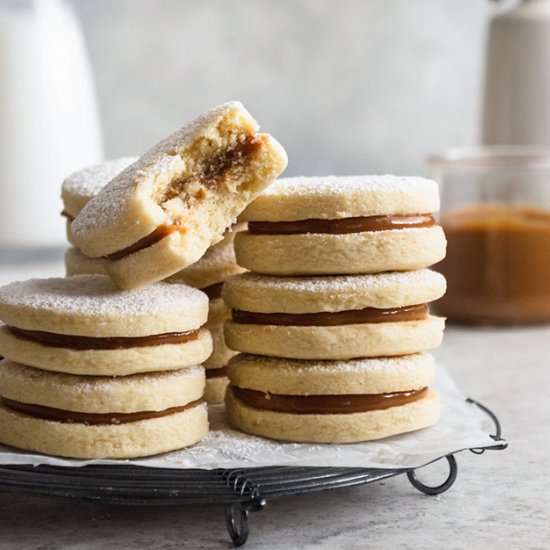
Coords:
348,86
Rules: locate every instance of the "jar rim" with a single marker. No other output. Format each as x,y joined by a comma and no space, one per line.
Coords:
493,156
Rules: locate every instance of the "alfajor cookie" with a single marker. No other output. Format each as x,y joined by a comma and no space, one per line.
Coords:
82,186
163,212
331,401
101,417
342,225
85,325
337,317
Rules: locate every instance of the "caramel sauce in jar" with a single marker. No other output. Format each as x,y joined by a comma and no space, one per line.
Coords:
497,265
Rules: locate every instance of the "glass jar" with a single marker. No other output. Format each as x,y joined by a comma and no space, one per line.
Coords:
495,210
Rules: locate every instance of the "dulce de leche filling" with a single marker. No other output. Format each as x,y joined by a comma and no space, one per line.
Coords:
91,419
326,404
329,318
220,166
116,342
216,373
213,291
344,225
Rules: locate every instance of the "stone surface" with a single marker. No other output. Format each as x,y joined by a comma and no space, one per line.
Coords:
500,499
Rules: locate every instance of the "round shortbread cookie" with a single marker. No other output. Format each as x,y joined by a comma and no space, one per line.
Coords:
370,376
129,440
265,294
78,264
106,362
215,389
90,305
81,186
334,254
336,342
194,184
221,354
338,197
214,267
101,394
333,428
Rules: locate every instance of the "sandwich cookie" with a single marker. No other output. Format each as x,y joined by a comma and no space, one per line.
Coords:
80,187
163,212
101,417
342,225
337,317
85,325
331,401
207,274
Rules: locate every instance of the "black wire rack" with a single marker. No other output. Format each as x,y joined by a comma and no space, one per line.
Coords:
242,491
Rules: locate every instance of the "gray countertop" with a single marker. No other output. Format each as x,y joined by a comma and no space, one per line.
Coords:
500,499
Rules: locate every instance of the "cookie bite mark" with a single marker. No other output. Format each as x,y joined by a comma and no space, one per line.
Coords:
342,226
118,342
333,318
91,419
326,404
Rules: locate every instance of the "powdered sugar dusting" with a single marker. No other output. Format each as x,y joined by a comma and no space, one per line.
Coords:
371,365
160,159
85,385
96,296
87,183
250,283
337,185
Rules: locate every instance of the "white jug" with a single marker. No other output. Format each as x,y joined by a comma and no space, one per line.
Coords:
49,123
516,108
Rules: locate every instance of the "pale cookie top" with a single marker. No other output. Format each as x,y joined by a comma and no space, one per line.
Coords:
265,294
337,197
137,201
214,267
80,187
303,377
137,392
91,305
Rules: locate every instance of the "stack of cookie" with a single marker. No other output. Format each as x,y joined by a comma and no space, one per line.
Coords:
93,371
333,321
207,274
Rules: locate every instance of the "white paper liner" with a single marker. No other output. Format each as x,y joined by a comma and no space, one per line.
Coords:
462,426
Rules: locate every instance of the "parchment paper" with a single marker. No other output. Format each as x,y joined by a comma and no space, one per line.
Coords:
462,426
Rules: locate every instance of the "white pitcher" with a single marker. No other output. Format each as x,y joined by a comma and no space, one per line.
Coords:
516,108
49,123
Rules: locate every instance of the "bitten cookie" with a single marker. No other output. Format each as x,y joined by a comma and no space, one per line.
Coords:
80,187
85,325
101,417
163,212
338,317
331,401
342,225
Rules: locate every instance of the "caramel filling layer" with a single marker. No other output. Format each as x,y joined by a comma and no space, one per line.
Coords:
344,225
223,165
329,318
213,291
116,342
216,373
67,215
326,404
157,235
91,419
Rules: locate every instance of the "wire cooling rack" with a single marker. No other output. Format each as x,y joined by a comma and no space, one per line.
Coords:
241,490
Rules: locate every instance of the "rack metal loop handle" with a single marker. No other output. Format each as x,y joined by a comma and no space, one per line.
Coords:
236,520
451,478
